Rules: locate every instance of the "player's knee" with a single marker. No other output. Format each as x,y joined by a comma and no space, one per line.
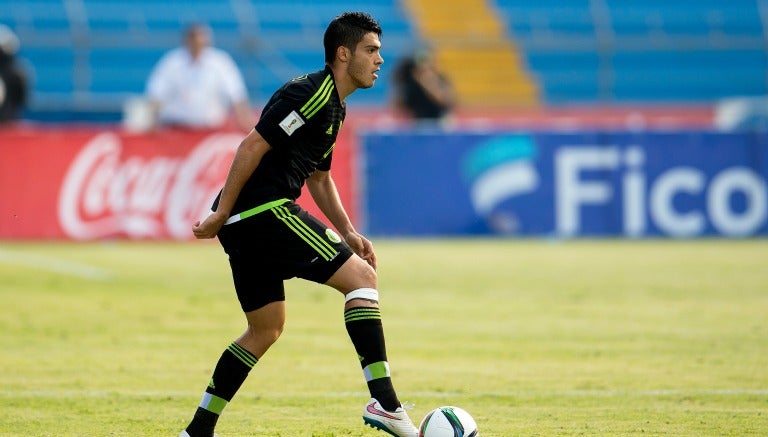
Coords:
369,276
274,334
266,334
354,274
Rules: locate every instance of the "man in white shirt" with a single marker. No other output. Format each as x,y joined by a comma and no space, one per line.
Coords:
197,86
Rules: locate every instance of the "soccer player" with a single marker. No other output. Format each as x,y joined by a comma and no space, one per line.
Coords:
269,238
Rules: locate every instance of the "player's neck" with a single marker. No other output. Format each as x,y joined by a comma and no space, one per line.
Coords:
344,84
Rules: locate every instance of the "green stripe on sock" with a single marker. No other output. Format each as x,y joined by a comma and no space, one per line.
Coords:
376,370
243,355
363,310
355,314
213,403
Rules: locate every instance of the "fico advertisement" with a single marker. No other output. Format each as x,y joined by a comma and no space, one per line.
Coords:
87,184
663,184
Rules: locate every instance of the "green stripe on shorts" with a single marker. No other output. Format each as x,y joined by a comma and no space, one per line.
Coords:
306,233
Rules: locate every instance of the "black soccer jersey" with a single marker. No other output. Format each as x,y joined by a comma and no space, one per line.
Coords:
300,121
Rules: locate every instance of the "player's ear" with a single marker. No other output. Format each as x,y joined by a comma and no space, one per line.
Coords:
343,54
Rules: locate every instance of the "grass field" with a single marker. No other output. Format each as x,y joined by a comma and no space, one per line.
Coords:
534,338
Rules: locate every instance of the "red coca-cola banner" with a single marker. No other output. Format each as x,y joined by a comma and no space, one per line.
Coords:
88,183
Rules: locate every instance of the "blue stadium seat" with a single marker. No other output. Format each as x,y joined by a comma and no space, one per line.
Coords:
52,69
121,70
39,14
640,50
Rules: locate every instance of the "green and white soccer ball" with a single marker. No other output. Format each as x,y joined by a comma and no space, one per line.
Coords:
448,421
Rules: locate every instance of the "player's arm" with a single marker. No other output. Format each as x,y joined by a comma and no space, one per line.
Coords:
323,190
247,158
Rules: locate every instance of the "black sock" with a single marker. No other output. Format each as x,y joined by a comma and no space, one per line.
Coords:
228,376
367,334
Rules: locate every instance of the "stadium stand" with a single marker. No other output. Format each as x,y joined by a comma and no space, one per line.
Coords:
641,50
472,47
88,56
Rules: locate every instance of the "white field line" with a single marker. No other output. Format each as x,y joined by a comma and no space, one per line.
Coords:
435,394
53,264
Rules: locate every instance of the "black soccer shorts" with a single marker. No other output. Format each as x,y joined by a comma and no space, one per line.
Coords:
276,244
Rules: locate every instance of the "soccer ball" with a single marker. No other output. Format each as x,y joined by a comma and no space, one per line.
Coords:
448,421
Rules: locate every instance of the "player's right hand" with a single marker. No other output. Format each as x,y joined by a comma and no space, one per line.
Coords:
362,247
210,226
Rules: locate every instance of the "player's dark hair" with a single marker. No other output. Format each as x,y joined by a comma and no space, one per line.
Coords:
347,30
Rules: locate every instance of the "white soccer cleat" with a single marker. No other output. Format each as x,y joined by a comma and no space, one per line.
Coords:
396,423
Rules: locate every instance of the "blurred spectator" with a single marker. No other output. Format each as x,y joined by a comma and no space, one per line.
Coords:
422,90
198,86
13,80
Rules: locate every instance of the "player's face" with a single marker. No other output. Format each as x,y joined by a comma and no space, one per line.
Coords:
366,61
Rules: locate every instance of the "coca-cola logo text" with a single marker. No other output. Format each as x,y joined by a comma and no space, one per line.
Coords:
108,194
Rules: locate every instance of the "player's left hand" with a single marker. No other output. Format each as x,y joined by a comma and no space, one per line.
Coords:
362,247
210,226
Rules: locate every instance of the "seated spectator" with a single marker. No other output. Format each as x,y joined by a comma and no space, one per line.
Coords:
198,86
13,80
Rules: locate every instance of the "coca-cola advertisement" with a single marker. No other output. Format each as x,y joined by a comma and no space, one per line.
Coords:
89,183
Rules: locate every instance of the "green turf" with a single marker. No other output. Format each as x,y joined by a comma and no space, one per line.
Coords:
533,338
